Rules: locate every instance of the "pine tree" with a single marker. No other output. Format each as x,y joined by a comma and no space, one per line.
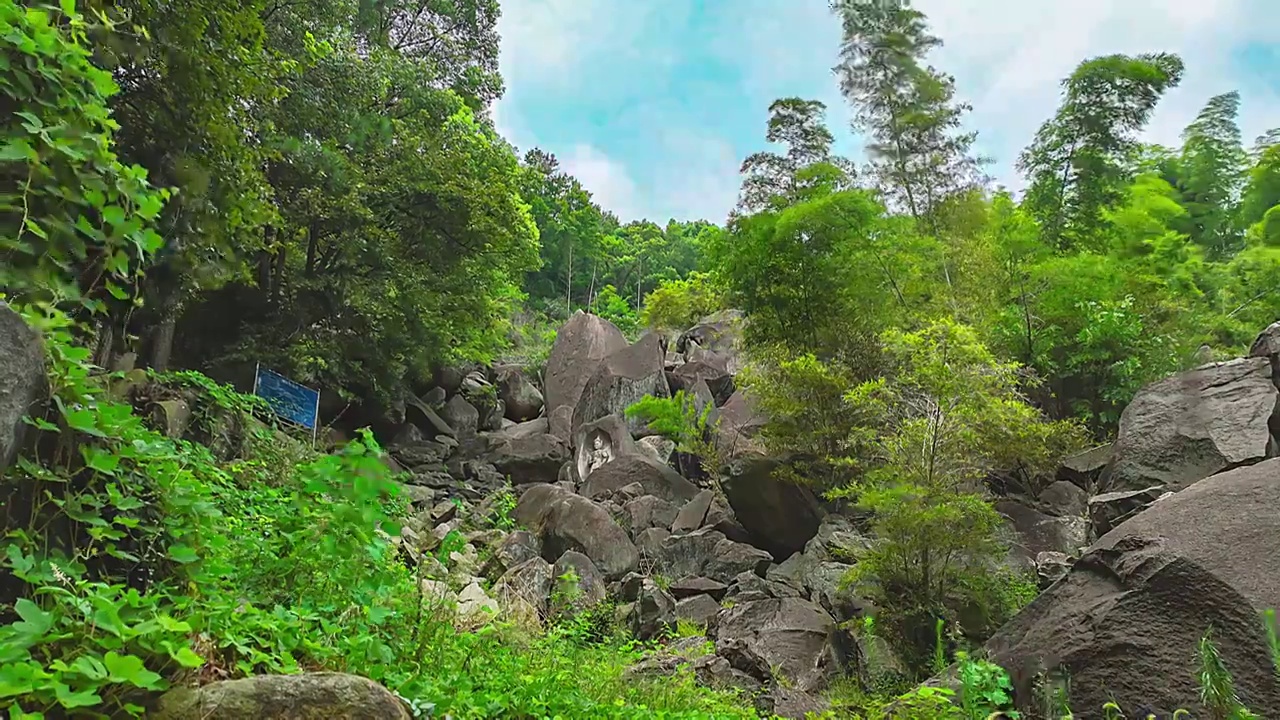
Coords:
772,179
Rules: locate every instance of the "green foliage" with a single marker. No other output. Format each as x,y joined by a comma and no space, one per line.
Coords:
678,304
76,224
1076,162
610,306
811,419
241,576
1217,688
679,419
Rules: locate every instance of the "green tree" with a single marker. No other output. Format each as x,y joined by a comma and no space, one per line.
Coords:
906,108
678,304
772,180
1212,173
945,412
1078,163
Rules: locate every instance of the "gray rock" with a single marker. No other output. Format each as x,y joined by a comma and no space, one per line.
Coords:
718,381
1052,567
648,512
527,585
693,513
1036,532
795,637
424,415
515,548
654,611
578,583
599,442
689,586
564,521
650,542
715,340
699,609
779,516
750,586
1126,620
462,416
836,539
521,398
580,345
658,447
529,458
1108,510
620,380
826,586
656,479
22,381
785,702
710,554
332,696
1064,498
1084,468
1189,426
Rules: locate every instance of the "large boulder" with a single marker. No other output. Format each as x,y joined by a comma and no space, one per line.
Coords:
719,381
1189,426
581,343
621,379
708,553
22,381
565,521
1084,468
462,416
797,638
716,340
779,516
1126,620
1036,532
520,397
656,479
307,696
529,459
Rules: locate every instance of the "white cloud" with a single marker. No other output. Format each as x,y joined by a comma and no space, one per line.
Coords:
608,180
1008,57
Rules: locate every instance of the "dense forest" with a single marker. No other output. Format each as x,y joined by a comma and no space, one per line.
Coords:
317,186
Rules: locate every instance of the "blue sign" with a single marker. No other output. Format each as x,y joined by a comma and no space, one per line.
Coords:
291,401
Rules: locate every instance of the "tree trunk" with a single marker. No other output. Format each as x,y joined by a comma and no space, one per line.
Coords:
162,341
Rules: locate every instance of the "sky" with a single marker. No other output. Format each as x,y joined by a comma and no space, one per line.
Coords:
653,104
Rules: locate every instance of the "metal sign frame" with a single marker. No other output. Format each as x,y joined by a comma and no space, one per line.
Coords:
315,423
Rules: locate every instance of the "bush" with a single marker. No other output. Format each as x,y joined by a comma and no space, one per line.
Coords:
679,304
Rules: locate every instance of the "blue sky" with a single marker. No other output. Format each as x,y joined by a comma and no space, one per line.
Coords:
654,103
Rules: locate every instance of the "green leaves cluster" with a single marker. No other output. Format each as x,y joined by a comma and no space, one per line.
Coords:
76,223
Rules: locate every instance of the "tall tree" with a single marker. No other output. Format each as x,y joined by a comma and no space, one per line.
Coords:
1078,162
1212,173
772,179
908,109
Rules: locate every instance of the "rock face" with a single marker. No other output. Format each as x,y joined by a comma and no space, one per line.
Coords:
529,459
778,516
564,521
795,637
715,340
1189,426
656,479
309,696
1126,619
708,553
579,347
520,398
22,380
622,378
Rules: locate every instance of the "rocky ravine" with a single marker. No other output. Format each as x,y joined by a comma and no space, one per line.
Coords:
1140,546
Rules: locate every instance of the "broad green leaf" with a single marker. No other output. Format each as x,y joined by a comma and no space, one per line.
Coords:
68,698
34,625
182,553
130,669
